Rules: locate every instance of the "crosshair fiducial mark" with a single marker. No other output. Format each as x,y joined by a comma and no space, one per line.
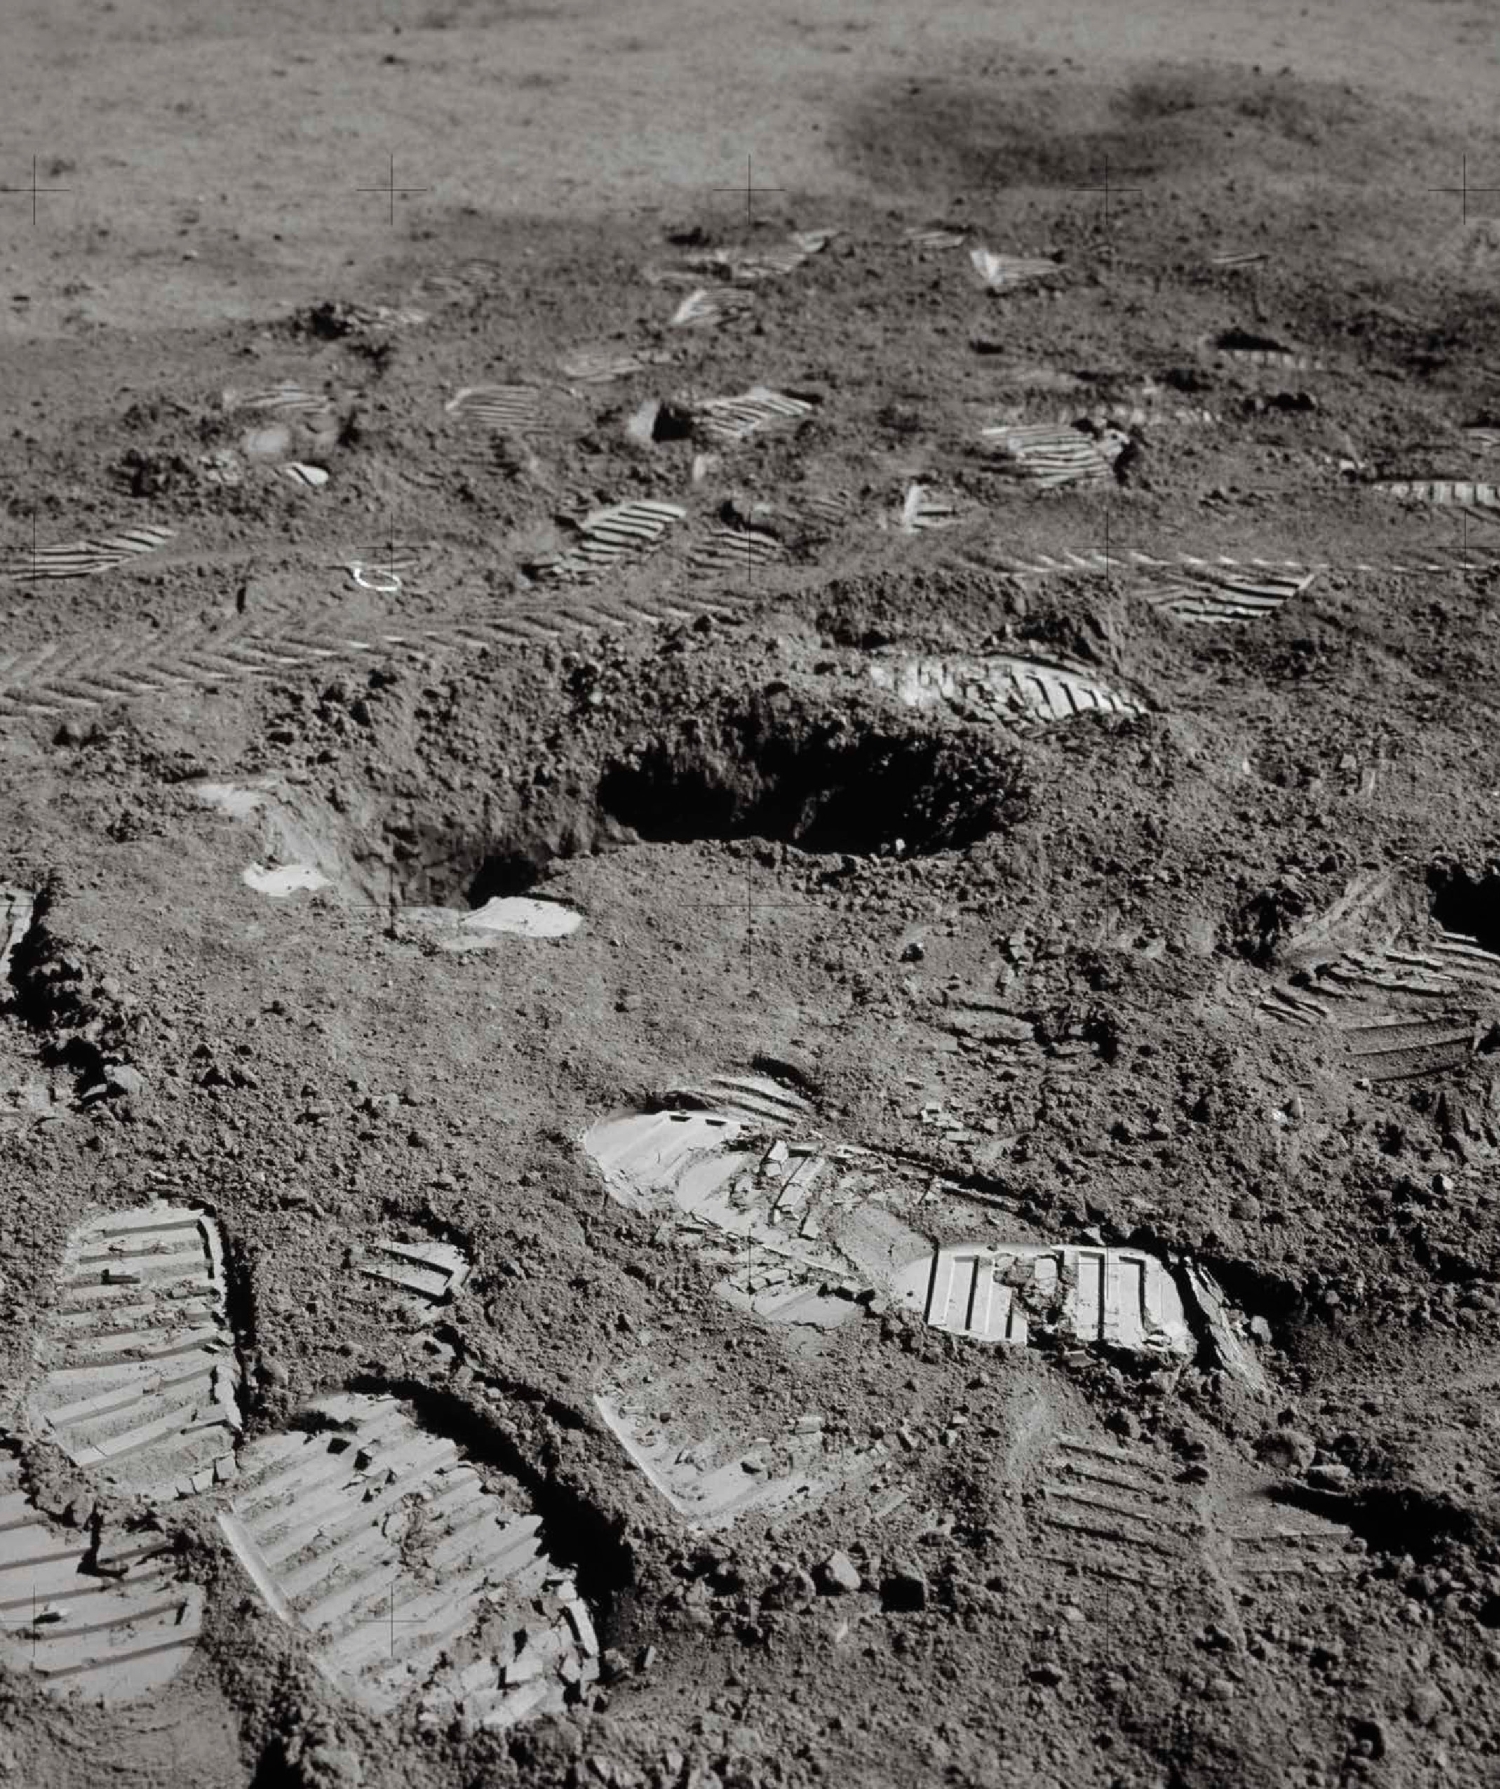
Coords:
392,1619
34,190
1108,187
749,907
1465,564
390,189
749,189
1463,189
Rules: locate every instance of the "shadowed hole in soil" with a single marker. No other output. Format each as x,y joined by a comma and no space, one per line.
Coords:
814,783
1396,1519
802,777
1242,341
1467,904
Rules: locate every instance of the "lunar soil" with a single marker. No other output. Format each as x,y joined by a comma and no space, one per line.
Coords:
752,969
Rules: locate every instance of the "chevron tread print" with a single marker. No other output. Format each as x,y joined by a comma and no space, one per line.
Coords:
1452,493
383,1544
1106,1513
86,558
731,549
54,680
104,1617
1002,688
713,1480
138,1377
1046,455
1007,273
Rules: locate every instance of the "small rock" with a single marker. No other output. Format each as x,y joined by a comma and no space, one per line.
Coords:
1048,1673
1288,1449
793,1591
1426,1704
125,1079
1333,1475
839,1575
913,953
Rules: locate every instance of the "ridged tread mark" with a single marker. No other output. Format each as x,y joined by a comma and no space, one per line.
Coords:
1286,1543
922,509
1220,598
1119,1298
936,235
752,1209
138,1377
87,558
1007,273
1255,353
54,679
709,306
728,550
613,537
1046,456
507,409
751,412
1456,492
1400,1011
712,1481
117,1624
756,1097
740,266
285,399
1002,687
1110,1515
601,366
434,1272
1404,1049
381,1542
1122,563
17,906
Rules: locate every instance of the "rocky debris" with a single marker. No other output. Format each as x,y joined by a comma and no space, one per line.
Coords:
838,1575
711,1476
1288,1450
388,1550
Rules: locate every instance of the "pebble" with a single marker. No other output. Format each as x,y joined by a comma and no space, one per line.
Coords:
839,1574
1048,1673
1288,1449
794,1591
1333,1475
125,1079
1426,1704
